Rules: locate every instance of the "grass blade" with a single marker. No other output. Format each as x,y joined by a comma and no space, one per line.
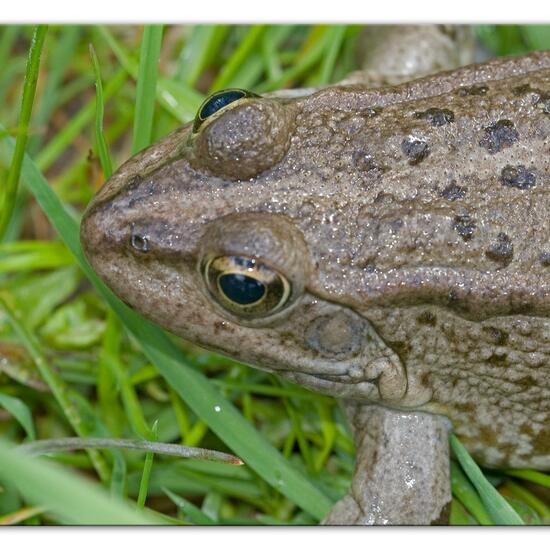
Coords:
118,476
232,65
60,58
195,55
195,514
459,515
310,54
337,34
178,99
7,197
467,495
146,87
531,475
500,511
272,40
146,476
537,36
46,446
528,498
19,410
67,496
21,515
54,148
101,144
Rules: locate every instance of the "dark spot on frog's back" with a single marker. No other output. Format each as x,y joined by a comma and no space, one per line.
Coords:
403,349
415,149
542,442
498,136
453,192
467,407
544,258
464,225
496,336
502,251
541,99
517,176
472,90
396,225
498,359
452,297
526,381
427,318
543,103
367,163
134,182
435,116
522,90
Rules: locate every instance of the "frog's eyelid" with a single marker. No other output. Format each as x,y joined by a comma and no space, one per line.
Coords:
218,101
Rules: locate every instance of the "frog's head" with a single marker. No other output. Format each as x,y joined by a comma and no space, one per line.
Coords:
210,234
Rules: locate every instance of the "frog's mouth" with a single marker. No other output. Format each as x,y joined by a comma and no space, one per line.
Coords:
381,380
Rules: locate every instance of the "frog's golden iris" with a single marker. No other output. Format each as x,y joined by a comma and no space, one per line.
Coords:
217,101
246,286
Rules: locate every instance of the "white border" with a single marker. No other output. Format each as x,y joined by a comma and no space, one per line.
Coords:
233,11
264,538
277,11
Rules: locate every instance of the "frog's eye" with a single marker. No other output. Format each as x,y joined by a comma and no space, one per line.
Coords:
245,286
218,101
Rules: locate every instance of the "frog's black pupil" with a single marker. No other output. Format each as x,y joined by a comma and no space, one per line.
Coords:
217,101
241,289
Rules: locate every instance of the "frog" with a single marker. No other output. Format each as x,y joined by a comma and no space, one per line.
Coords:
387,244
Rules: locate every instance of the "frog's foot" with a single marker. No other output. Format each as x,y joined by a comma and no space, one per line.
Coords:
392,54
402,469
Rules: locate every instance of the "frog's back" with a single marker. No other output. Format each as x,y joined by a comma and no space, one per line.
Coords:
440,184
450,253
434,225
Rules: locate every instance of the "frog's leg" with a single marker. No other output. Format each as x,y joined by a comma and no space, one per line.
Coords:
402,473
393,54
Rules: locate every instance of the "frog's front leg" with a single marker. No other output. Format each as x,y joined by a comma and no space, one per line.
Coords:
402,473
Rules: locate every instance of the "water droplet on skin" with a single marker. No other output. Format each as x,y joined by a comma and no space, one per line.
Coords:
217,408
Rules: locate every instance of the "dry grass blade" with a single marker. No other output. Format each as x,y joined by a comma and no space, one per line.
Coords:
46,446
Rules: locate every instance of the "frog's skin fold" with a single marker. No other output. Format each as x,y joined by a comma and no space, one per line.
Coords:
410,221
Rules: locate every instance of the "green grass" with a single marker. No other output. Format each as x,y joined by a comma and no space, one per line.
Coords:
7,202
76,361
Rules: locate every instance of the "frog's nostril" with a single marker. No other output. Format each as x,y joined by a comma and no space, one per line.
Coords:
245,140
140,242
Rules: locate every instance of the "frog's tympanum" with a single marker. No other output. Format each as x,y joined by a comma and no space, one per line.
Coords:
388,246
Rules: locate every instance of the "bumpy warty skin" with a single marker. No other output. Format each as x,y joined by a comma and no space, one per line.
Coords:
422,212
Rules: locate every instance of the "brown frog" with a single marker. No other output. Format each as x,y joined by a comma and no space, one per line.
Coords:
387,246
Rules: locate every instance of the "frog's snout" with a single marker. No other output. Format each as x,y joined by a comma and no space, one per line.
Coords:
243,140
98,236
